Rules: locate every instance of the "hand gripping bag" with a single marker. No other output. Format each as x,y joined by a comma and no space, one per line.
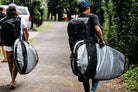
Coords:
25,56
91,61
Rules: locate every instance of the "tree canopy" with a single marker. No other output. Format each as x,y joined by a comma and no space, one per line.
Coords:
61,6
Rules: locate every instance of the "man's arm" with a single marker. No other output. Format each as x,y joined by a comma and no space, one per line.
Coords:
0,37
100,35
26,34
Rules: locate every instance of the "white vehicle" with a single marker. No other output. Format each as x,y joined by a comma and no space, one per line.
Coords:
24,14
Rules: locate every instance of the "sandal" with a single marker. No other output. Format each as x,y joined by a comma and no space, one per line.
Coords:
12,87
4,61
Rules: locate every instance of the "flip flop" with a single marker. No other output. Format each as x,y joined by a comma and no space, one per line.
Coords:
12,87
4,61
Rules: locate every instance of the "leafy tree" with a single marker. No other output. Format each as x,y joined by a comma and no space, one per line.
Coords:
70,6
18,2
54,8
97,9
36,12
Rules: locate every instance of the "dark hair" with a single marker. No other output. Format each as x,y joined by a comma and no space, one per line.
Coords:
82,9
1,8
11,12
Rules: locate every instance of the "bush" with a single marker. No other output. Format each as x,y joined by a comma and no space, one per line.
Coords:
132,78
45,15
36,11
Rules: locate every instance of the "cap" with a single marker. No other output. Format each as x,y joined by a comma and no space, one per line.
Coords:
12,6
84,3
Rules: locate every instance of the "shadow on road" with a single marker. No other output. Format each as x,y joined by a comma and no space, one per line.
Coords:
6,88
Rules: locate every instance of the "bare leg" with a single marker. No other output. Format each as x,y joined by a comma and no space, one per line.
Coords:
4,54
12,68
14,72
9,62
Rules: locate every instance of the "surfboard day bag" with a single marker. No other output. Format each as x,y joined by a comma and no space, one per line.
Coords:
25,56
93,62
88,60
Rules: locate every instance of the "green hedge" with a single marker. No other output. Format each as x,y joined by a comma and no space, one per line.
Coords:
132,78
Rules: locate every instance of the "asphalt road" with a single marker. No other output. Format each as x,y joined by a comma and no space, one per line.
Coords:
53,72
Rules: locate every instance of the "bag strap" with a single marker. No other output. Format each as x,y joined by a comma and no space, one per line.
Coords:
21,33
94,37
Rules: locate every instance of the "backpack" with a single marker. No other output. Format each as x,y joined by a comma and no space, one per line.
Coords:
2,15
78,29
89,61
10,30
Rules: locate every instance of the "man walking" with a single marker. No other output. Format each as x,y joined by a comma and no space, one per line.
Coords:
84,11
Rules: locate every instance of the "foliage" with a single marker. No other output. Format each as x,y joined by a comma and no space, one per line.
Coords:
45,15
120,26
132,78
18,2
71,7
54,6
96,8
36,11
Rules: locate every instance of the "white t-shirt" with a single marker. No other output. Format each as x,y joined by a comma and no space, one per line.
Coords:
23,25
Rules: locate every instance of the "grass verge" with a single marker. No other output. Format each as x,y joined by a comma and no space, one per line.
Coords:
131,77
44,27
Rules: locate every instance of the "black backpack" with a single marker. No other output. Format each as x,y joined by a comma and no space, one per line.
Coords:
2,15
10,30
78,29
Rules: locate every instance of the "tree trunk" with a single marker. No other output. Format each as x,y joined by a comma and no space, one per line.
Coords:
68,14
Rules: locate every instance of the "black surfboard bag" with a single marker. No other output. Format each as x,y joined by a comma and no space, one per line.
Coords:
88,60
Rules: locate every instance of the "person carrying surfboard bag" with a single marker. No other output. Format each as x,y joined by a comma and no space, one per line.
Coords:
85,27
10,29
90,59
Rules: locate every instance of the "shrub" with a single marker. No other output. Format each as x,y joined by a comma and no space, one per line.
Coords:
132,78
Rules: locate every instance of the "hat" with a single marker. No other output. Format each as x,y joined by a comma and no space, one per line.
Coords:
84,3
12,6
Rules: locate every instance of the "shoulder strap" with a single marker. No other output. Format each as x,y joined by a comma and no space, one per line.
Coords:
94,36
